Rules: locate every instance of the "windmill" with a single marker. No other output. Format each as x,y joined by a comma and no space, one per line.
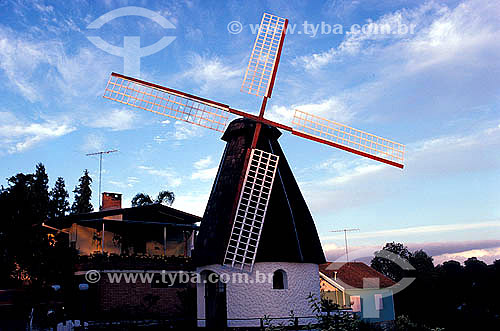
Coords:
259,170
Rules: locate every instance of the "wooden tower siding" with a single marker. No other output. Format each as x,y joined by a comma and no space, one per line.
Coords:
289,233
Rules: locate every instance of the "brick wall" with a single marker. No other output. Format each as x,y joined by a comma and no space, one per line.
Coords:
133,299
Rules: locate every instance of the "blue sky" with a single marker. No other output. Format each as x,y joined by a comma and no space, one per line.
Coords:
435,90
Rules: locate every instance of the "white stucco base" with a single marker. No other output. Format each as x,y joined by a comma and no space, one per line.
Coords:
249,301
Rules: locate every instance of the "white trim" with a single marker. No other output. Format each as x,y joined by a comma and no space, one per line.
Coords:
331,281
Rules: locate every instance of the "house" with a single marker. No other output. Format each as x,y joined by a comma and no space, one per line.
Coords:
289,252
357,286
145,239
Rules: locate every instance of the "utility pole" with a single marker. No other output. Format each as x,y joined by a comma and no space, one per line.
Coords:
345,238
100,168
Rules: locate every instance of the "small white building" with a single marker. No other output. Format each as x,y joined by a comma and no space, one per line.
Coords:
285,272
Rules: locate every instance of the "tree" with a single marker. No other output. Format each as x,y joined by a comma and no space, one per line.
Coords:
422,262
40,190
83,194
58,204
143,199
24,205
391,268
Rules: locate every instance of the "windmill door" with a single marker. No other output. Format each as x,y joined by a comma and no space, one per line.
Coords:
215,303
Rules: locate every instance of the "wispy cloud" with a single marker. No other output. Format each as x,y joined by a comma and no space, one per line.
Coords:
183,131
348,183
410,231
193,203
30,63
205,174
93,142
18,136
114,119
333,108
441,35
128,183
211,73
485,250
202,171
487,255
171,177
203,163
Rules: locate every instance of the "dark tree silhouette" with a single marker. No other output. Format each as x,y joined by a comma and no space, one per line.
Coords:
24,206
40,190
141,199
164,197
389,268
422,262
83,194
58,204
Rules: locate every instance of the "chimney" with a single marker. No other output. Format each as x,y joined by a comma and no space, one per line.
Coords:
111,201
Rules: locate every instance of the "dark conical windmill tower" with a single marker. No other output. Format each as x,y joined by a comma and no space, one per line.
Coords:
289,249
256,220
288,233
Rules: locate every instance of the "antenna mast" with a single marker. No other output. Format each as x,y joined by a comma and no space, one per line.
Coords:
345,238
100,168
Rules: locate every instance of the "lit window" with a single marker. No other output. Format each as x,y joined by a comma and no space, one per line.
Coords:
379,303
356,303
280,281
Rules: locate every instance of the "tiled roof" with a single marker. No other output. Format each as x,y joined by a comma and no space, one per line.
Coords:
352,274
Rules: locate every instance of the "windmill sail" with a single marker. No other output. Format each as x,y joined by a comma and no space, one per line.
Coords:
264,59
350,139
251,211
167,102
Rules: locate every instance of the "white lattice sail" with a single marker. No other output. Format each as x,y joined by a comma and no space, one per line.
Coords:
167,102
259,76
345,137
251,210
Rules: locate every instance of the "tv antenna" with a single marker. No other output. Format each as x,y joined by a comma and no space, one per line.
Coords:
100,168
260,167
345,238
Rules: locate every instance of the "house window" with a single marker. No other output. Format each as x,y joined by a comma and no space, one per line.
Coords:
356,303
280,281
379,303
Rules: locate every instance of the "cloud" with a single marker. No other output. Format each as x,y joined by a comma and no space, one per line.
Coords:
441,35
205,174
203,163
453,247
115,120
173,180
333,108
485,250
128,183
18,136
345,183
184,130
93,142
426,229
354,43
488,255
29,63
212,73
193,203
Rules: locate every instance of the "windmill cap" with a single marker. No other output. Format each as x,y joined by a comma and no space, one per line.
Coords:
246,126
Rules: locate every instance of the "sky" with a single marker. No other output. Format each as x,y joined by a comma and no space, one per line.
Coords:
434,88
